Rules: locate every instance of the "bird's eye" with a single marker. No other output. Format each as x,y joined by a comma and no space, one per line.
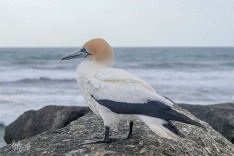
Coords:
83,50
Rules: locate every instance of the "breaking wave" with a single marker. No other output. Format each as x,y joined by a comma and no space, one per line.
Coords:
40,79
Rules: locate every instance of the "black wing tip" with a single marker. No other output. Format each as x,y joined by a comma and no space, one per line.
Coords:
174,115
195,123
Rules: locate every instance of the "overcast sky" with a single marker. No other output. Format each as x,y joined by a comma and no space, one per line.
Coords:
36,23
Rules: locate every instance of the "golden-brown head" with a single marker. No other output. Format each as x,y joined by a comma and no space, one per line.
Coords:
100,51
97,50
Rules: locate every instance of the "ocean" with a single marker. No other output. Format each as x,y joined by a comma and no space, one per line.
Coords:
31,78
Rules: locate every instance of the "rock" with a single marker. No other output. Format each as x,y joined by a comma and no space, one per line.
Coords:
66,141
2,129
219,116
48,118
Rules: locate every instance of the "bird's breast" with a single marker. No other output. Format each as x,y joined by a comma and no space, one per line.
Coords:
82,79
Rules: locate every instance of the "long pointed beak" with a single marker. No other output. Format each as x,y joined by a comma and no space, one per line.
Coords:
77,54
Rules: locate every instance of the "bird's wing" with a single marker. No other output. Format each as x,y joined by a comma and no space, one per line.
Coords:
124,93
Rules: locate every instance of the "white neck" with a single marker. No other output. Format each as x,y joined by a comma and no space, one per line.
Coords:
84,70
88,66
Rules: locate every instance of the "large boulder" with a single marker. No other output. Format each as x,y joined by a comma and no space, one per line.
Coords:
219,116
48,118
66,141
2,128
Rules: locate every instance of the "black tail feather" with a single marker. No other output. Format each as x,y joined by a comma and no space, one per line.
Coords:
170,126
176,116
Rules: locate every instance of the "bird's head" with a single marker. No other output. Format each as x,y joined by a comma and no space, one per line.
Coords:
97,50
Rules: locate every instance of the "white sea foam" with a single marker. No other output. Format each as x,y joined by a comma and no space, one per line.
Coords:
19,104
35,74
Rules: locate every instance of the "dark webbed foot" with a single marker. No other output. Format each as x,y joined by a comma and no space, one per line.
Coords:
88,142
98,141
120,137
107,139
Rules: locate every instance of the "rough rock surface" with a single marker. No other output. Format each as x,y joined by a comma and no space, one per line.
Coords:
2,129
220,117
66,141
48,118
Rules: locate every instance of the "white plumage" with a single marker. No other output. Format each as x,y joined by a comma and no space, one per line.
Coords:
116,85
116,95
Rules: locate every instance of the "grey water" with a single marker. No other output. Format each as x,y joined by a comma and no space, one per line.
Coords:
31,78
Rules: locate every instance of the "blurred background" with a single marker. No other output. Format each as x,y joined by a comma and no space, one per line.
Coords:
183,48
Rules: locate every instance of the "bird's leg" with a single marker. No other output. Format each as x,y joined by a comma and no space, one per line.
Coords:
130,130
107,134
105,140
126,136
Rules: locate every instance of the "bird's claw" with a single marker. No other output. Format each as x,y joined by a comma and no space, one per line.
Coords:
98,141
120,137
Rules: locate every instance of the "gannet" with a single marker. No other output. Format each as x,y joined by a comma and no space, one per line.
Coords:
117,95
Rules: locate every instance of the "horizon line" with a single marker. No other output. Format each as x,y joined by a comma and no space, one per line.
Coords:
2,47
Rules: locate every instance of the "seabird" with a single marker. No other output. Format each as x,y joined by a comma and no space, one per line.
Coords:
117,95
